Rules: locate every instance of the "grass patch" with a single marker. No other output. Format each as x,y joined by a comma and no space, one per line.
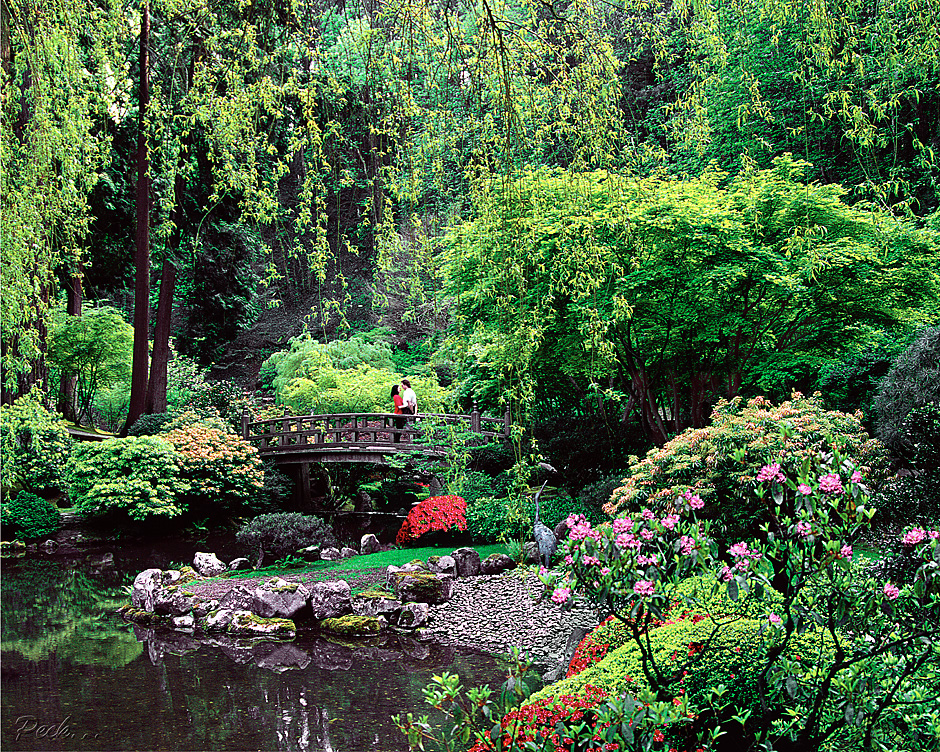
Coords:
396,557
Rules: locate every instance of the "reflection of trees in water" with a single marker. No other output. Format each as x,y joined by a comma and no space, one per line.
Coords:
52,607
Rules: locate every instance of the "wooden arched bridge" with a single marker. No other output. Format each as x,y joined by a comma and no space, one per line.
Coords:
365,437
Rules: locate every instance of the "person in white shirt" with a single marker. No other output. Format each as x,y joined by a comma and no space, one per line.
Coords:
409,398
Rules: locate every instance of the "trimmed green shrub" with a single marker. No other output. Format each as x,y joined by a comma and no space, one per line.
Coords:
473,485
149,425
137,477
913,381
492,520
720,462
284,533
28,516
34,446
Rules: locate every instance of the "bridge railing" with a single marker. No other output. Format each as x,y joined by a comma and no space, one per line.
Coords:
338,431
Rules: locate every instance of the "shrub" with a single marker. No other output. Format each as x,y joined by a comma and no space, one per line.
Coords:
472,485
435,514
593,497
284,533
492,520
29,516
721,462
914,380
34,446
137,477
149,425
222,471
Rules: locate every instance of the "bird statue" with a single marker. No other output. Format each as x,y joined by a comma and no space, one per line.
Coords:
544,537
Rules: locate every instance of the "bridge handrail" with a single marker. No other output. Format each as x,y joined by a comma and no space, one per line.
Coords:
270,427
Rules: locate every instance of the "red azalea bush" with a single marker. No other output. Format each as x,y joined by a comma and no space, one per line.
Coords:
537,722
435,514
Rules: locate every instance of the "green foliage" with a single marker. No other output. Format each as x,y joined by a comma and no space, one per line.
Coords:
595,496
307,357
914,380
284,533
721,462
136,478
633,283
149,425
495,520
35,445
95,348
473,485
27,516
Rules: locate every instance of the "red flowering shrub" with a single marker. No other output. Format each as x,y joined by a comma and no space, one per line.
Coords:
525,724
438,513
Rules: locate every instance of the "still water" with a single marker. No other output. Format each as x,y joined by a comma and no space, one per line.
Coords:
75,677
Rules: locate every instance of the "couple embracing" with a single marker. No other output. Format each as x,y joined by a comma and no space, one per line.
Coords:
406,403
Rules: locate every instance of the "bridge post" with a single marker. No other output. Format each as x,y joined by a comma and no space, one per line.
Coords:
245,423
475,418
507,424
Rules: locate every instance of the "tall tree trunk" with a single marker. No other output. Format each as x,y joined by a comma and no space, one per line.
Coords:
68,398
142,258
156,388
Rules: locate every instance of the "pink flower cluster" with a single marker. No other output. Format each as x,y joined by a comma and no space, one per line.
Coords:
695,501
804,528
579,528
918,535
770,473
561,595
670,521
831,483
743,555
891,592
644,588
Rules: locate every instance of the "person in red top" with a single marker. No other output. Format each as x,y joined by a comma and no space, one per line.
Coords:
399,403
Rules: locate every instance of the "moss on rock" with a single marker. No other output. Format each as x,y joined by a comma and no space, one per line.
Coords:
352,625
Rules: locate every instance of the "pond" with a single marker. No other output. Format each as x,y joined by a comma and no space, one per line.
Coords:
76,677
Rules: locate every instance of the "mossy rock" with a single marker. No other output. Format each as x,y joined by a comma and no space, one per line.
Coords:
249,624
433,559
374,593
422,587
419,563
187,574
352,625
278,585
144,618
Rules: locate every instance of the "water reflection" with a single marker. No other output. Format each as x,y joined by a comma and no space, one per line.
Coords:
77,678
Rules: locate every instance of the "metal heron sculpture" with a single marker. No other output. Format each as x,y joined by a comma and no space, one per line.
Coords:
544,537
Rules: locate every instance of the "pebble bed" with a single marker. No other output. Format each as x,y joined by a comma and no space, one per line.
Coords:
497,612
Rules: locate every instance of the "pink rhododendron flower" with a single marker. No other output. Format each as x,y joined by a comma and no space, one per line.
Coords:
561,595
846,552
725,574
804,489
605,571
622,525
739,549
774,619
670,521
933,534
770,473
686,544
645,561
625,540
648,514
696,502
591,561
856,477
804,528
647,534
831,483
915,536
568,560
644,588
891,592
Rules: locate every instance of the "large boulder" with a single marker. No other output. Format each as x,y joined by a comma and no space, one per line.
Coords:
369,544
561,531
330,599
310,553
496,564
347,553
173,601
412,615
145,586
468,562
208,565
374,603
251,625
423,587
239,598
352,625
412,566
279,599
530,552
443,565
330,554
239,564
217,621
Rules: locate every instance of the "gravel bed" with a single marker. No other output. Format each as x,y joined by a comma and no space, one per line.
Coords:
497,612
